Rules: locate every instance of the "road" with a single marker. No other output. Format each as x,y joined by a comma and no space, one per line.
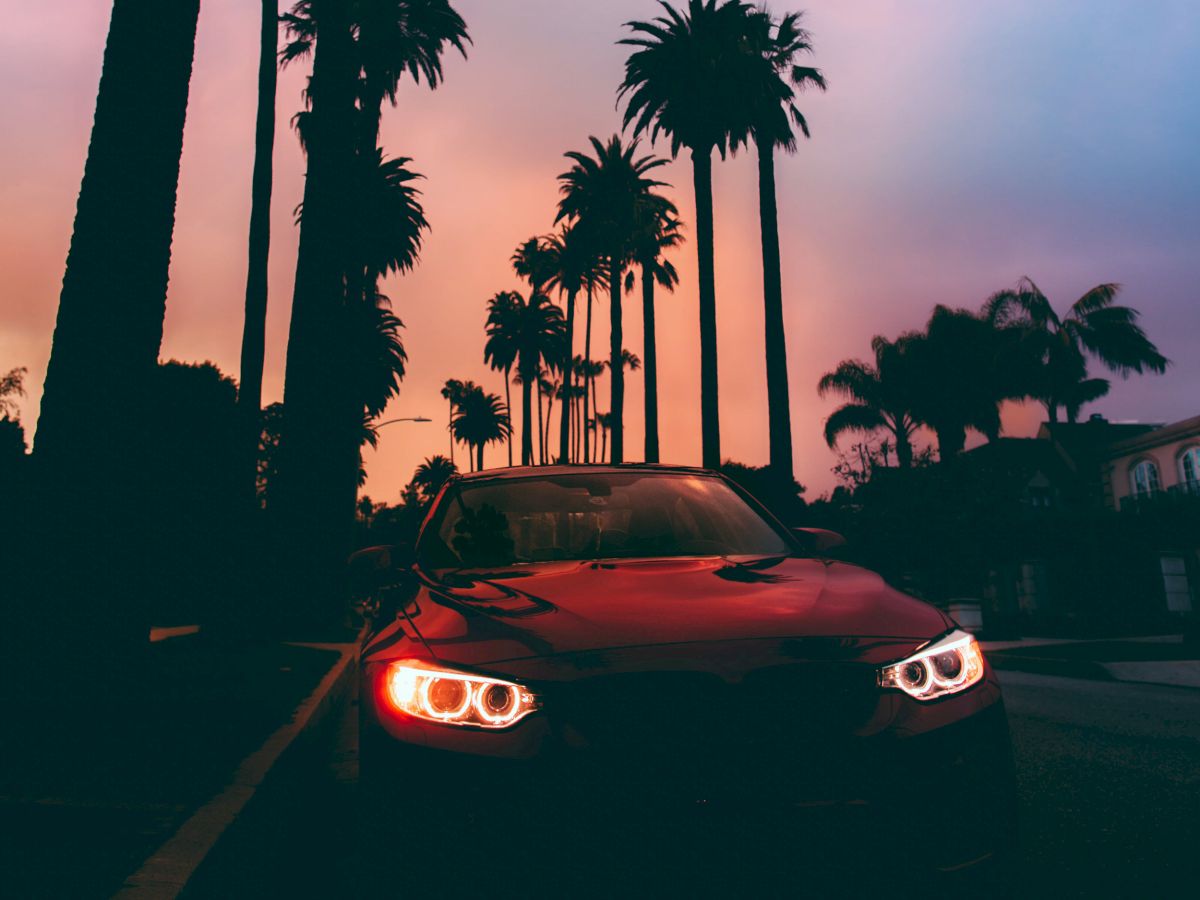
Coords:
1109,777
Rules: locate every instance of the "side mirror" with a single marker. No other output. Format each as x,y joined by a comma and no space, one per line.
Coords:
818,541
374,568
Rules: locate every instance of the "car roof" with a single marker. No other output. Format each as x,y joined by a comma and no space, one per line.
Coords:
513,472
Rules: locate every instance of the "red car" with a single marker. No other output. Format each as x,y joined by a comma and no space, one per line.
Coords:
619,643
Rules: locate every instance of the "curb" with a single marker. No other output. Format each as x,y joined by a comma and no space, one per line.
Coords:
165,873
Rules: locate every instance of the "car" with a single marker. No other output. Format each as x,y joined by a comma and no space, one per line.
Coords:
646,647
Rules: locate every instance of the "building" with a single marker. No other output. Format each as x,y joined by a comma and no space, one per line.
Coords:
1155,478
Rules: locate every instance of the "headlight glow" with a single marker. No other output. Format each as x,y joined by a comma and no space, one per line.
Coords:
455,698
947,666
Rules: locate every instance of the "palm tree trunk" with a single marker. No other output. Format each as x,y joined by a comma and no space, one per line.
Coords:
564,424
904,452
479,454
710,414
778,406
526,417
588,382
95,401
950,443
254,328
508,404
616,364
650,352
450,428
541,429
316,458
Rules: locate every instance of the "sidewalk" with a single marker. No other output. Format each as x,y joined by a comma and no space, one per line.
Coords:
1156,659
95,781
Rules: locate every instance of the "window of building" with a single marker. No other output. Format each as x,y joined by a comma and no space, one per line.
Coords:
1143,478
1189,469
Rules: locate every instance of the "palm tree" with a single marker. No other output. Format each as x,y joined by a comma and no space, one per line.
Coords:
879,397
398,38
778,44
534,260
566,275
962,368
434,472
587,370
610,194
534,332
688,78
500,351
653,237
452,392
255,324
1093,326
603,421
480,419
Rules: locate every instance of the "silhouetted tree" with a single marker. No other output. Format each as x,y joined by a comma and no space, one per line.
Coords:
500,349
778,43
610,195
255,323
880,397
572,261
430,475
109,329
1093,326
480,419
535,332
689,79
452,392
962,369
654,235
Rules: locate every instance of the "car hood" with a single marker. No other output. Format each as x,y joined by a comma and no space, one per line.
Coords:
547,609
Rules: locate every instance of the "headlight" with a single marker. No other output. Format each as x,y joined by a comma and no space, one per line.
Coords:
947,666
455,698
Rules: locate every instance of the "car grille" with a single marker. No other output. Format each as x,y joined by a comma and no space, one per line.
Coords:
788,727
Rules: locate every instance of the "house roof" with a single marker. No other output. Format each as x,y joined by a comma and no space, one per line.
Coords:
1164,434
1085,444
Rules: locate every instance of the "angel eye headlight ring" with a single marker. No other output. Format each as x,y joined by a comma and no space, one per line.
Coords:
947,666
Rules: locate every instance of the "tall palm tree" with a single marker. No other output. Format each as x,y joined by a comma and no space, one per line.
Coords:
480,419
255,324
569,258
610,193
548,387
534,260
1094,326
398,38
452,392
535,333
688,78
430,475
878,395
654,236
778,43
587,370
500,351
96,397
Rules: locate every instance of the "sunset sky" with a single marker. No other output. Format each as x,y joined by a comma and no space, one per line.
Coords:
960,146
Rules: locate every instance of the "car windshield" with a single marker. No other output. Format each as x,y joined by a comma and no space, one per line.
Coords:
605,515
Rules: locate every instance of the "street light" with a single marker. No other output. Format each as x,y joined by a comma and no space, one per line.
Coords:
406,419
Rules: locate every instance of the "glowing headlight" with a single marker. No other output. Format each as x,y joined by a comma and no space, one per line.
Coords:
947,666
456,698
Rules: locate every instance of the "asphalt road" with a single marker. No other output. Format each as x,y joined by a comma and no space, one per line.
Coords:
1109,778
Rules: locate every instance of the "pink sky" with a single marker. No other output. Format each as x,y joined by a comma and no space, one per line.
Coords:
959,147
